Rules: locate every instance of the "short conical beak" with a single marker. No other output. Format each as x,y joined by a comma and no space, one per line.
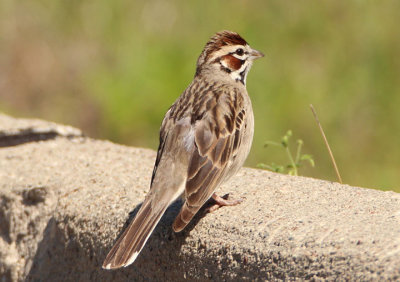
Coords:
254,54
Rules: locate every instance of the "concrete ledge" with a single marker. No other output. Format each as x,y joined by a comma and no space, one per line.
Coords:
18,131
64,200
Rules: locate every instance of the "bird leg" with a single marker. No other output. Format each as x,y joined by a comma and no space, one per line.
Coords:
223,201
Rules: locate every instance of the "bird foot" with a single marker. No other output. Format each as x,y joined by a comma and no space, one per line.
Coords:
222,201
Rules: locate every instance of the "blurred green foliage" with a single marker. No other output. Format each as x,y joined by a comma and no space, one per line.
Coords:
114,67
295,161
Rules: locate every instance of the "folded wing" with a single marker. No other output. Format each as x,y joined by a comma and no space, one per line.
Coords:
217,138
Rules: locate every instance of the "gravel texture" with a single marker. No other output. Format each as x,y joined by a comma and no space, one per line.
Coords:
65,198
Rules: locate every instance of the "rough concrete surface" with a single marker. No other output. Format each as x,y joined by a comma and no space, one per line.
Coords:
65,198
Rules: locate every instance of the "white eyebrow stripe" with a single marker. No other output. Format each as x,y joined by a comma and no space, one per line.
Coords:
226,50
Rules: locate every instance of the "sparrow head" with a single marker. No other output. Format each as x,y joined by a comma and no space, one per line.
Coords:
227,54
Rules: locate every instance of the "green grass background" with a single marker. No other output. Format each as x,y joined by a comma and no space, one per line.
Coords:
114,67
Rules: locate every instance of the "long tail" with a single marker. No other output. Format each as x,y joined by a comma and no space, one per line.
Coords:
131,242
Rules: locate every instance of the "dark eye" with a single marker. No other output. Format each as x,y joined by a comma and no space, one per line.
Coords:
239,51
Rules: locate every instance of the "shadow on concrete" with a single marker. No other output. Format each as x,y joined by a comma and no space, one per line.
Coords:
60,246
25,136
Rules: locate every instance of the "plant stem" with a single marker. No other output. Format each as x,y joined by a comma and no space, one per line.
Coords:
291,160
326,143
272,143
300,144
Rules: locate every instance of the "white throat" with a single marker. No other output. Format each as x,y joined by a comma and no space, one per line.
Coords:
239,75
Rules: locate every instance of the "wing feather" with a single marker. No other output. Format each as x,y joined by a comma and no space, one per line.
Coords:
214,151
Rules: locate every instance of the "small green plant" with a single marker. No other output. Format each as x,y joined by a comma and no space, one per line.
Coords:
295,163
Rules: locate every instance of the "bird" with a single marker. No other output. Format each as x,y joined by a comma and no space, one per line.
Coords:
205,137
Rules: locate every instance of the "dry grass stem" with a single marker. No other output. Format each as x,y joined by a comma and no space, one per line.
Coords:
326,143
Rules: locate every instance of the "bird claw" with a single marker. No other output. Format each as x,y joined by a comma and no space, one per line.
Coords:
222,202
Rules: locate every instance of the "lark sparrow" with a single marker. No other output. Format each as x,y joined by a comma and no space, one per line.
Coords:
205,137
